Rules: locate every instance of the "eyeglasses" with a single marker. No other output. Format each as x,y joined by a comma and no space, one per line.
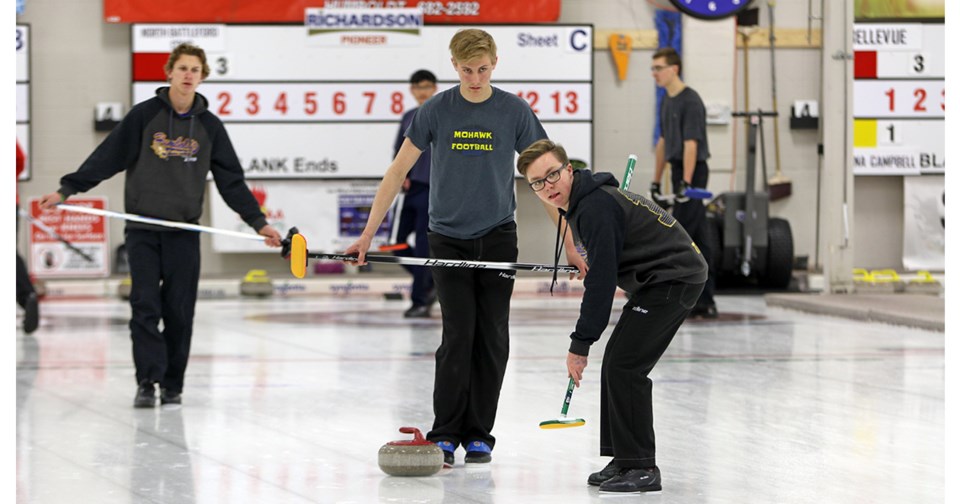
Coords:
657,68
552,177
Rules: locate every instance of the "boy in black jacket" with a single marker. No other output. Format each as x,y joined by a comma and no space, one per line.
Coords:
631,243
167,145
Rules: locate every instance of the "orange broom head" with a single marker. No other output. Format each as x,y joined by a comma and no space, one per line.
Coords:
562,423
298,256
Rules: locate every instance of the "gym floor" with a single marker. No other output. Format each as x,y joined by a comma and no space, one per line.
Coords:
288,400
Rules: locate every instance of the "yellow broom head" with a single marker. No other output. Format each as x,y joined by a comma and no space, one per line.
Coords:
562,423
298,255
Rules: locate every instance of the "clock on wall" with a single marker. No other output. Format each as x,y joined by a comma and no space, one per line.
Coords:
710,9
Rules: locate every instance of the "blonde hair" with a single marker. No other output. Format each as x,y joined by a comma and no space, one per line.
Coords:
472,43
537,149
188,50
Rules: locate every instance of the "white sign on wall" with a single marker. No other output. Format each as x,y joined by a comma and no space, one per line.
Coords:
923,223
330,214
899,98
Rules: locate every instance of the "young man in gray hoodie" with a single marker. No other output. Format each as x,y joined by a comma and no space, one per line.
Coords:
167,145
631,243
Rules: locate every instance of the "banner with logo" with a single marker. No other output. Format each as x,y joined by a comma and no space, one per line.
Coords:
363,27
50,257
330,214
292,11
924,225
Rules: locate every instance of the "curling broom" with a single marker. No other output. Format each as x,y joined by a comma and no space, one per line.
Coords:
299,255
562,422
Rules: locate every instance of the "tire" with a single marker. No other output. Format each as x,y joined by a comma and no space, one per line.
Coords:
779,270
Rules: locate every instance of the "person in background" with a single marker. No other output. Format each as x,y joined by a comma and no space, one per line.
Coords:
413,216
683,144
26,294
167,145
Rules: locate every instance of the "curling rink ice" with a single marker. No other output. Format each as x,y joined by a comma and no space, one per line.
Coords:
287,400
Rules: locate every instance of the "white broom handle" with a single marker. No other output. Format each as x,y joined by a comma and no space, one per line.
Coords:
159,222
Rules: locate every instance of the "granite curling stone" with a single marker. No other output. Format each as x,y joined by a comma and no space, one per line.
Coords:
410,457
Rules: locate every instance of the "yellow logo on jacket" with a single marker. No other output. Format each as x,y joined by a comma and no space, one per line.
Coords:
165,148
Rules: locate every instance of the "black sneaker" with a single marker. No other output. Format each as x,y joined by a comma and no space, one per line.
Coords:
146,395
604,474
447,447
168,397
478,452
417,311
633,480
31,315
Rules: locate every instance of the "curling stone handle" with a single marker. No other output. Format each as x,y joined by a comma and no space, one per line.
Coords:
417,435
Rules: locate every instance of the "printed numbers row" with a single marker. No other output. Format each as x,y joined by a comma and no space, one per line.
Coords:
450,8
905,98
362,101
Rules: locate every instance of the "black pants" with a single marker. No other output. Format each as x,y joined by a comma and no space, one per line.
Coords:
24,286
472,357
692,215
414,219
165,273
646,327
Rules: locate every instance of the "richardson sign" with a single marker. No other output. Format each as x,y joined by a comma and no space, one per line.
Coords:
292,11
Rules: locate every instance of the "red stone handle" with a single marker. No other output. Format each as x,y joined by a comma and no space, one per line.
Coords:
418,438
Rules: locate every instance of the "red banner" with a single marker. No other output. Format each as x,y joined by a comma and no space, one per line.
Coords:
51,257
292,11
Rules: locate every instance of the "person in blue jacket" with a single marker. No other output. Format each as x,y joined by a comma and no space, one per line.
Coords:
416,203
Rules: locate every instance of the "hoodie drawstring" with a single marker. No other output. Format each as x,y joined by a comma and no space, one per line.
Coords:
559,248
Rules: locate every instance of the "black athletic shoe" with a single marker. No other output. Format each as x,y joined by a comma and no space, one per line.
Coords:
633,481
146,395
167,397
604,474
31,315
417,311
478,452
447,448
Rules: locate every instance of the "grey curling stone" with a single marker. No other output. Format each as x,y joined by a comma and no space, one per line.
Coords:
410,457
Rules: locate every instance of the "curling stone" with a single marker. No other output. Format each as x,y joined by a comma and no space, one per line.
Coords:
256,283
410,457
124,287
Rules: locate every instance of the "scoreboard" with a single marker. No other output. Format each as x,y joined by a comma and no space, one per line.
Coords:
899,98
23,94
297,109
314,118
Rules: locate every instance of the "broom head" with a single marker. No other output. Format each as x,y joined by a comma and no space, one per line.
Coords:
562,423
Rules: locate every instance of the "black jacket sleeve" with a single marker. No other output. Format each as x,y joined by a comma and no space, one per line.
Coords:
601,227
228,175
117,152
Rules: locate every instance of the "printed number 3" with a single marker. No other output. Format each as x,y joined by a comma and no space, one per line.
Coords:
221,65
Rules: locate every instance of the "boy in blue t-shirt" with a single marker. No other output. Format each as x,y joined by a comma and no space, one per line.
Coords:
473,132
